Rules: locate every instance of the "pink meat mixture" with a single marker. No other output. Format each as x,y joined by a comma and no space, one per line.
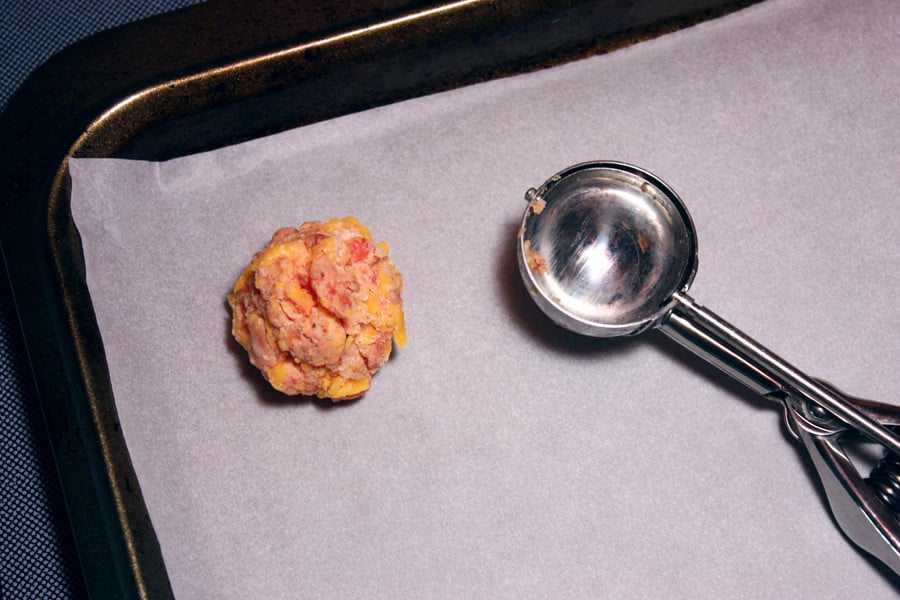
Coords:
317,309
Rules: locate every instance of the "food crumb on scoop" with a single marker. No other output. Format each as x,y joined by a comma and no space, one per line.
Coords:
317,307
534,260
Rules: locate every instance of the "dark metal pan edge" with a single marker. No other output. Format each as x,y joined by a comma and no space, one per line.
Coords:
229,70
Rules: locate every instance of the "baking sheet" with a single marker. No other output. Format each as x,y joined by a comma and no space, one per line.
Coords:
495,454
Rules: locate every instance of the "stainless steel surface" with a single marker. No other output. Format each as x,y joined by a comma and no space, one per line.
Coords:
607,249
612,243
740,355
865,515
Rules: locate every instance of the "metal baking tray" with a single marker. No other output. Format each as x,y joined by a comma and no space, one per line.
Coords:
201,78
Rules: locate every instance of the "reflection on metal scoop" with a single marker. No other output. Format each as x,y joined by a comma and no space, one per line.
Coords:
607,249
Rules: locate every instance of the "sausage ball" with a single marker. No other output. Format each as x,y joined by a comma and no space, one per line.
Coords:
317,309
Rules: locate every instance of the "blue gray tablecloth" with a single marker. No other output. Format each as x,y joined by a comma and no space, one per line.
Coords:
36,554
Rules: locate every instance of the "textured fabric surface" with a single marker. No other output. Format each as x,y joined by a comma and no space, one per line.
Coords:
37,559
32,31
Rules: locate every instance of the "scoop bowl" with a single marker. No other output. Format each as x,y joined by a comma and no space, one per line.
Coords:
603,248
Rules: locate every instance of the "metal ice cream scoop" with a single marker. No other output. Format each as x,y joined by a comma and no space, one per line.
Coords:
607,249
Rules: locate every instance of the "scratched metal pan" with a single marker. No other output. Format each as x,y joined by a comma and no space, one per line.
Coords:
201,78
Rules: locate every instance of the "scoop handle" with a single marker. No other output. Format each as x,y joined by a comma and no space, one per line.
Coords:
723,345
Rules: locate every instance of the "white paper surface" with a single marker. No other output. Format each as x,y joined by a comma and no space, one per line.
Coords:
496,455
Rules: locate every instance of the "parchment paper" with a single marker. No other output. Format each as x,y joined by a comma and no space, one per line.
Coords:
496,455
